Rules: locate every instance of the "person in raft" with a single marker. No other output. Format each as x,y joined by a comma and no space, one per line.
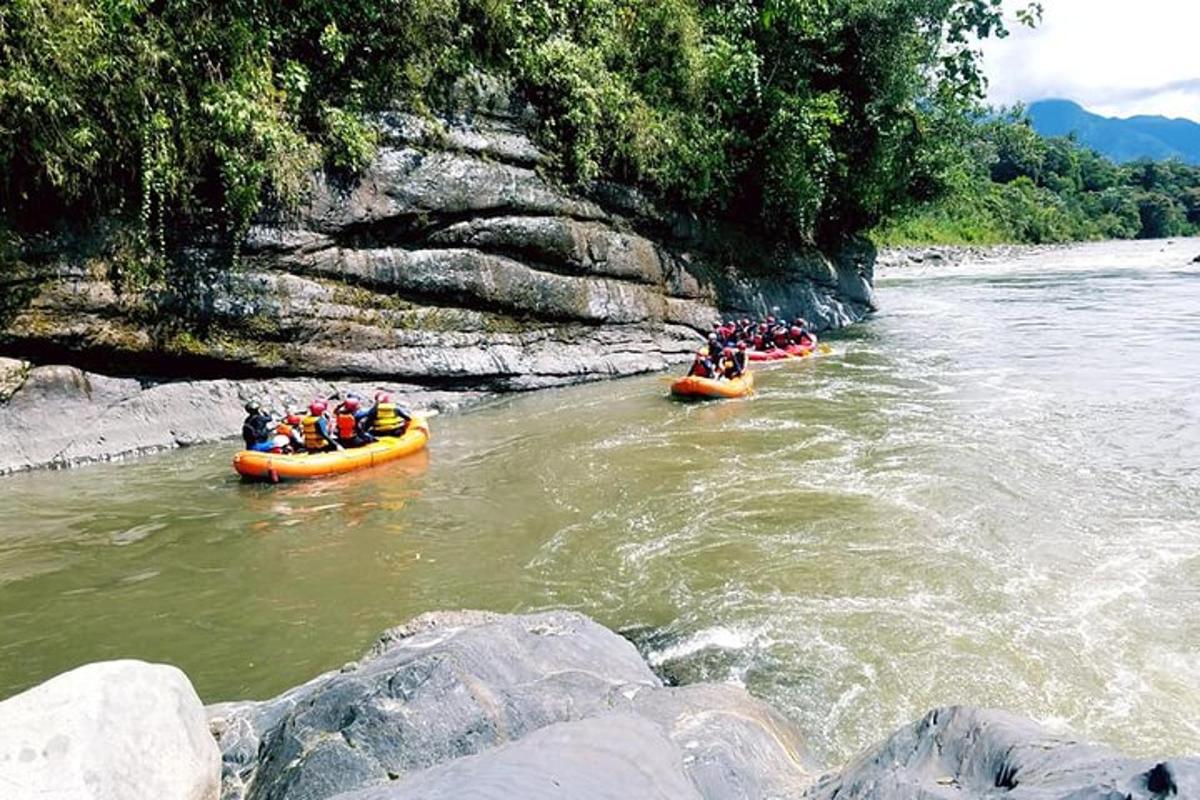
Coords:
315,427
385,418
348,421
256,429
805,338
714,348
289,436
702,366
735,361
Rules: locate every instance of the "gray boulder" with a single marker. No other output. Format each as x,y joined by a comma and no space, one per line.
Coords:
115,730
12,376
449,686
616,757
961,752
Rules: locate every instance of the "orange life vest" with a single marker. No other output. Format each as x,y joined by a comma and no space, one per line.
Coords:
347,426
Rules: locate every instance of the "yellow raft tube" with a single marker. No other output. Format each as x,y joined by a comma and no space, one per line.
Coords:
275,467
696,387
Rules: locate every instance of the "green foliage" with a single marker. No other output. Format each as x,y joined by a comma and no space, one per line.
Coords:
1025,188
814,119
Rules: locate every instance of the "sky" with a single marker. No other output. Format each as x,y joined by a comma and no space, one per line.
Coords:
1114,57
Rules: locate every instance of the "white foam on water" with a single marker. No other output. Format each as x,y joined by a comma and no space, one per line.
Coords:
716,638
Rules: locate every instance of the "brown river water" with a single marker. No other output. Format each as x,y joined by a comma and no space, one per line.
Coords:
989,494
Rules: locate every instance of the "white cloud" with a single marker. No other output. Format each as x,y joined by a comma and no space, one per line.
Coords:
1113,57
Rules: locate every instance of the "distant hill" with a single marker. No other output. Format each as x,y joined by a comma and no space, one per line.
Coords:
1119,139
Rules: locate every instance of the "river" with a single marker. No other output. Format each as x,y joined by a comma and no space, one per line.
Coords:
989,494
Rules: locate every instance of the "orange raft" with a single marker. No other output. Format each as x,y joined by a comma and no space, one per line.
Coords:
696,387
275,467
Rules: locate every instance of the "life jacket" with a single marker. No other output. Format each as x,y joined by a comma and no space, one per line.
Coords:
347,426
313,440
700,369
387,421
283,429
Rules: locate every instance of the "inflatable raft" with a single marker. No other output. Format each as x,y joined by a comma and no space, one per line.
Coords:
275,467
777,354
694,387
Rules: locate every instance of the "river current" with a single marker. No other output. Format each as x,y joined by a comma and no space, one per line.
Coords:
988,494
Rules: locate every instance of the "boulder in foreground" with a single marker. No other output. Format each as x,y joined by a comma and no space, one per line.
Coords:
115,730
476,704
960,752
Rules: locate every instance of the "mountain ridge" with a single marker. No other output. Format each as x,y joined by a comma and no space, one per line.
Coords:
1121,139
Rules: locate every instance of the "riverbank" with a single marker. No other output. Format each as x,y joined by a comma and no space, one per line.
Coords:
893,261
890,259
548,705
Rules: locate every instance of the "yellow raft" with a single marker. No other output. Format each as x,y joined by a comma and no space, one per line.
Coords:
696,387
275,467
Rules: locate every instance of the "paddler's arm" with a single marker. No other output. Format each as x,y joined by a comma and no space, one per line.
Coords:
323,429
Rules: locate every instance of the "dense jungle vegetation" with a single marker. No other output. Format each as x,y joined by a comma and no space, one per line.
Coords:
809,118
1018,186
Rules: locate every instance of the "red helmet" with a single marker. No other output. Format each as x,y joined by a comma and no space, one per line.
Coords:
770,320
795,331
351,404
292,419
383,397
317,407
741,345
728,351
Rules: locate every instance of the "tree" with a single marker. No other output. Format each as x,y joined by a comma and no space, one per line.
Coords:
1191,204
1020,151
1160,216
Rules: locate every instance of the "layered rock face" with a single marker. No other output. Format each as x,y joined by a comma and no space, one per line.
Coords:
450,263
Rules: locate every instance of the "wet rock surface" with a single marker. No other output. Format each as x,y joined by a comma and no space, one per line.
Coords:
962,752
474,704
538,705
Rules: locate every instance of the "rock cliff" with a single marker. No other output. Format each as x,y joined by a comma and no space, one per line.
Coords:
452,262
